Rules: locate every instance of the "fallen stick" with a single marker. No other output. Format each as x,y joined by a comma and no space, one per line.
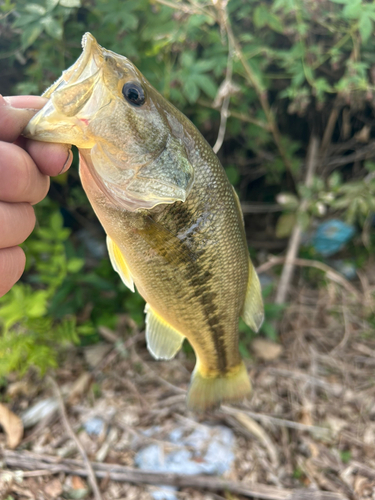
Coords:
43,463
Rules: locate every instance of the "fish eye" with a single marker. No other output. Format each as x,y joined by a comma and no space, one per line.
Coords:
134,94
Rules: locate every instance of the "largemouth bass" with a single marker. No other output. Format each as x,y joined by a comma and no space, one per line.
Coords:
173,221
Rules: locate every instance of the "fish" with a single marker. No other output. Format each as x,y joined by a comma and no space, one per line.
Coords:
173,221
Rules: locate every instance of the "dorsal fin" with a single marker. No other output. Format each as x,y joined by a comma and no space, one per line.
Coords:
163,341
119,263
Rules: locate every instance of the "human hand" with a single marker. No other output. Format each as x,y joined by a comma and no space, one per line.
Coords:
25,167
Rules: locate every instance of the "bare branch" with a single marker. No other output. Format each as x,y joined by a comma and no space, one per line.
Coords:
330,272
295,239
226,86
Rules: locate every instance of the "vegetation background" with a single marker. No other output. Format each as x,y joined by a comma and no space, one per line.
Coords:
262,79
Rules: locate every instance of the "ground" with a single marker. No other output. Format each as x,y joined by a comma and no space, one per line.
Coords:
308,430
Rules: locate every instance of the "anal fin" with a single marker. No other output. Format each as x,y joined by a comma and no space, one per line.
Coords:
163,341
253,309
119,263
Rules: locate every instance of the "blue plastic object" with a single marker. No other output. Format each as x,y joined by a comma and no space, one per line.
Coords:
331,236
94,426
205,450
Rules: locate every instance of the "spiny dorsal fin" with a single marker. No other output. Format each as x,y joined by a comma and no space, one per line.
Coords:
253,310
163,341
119,263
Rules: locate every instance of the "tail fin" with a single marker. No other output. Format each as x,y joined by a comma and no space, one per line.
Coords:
206,393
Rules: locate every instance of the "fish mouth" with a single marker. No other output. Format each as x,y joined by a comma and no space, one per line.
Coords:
73,100
89,63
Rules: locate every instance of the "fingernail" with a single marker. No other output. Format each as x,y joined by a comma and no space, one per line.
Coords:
4,101
67,163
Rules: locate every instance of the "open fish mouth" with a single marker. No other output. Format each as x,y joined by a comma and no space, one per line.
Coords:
73,100
86,66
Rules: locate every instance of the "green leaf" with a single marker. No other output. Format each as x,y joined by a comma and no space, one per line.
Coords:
75,264
274,23
346,456
303,219
353,10
56,221
369,165
285,225
7,6
70,3
51,4
260,16
24,19
288,200
187,59
52,27
269,330
34,8
191,90
30,34
205,83
37,304
335,180
365,27
233,174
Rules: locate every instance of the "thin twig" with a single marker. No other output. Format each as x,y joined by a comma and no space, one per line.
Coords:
227,84
295,239
364,153
236,114
327,137
281,422
89,470
330,273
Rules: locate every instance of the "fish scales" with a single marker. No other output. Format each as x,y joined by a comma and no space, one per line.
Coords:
203,275
173,221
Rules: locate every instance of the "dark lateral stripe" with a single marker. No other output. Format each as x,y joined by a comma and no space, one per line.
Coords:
199,278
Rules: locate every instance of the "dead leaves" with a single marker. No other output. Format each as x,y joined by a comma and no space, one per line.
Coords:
266,349
12,426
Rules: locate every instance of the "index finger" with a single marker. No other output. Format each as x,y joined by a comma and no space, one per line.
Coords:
15,113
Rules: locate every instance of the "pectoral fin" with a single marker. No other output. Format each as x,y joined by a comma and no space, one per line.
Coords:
119,263
163,341
253,310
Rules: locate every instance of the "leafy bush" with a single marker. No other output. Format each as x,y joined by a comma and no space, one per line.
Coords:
290,68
